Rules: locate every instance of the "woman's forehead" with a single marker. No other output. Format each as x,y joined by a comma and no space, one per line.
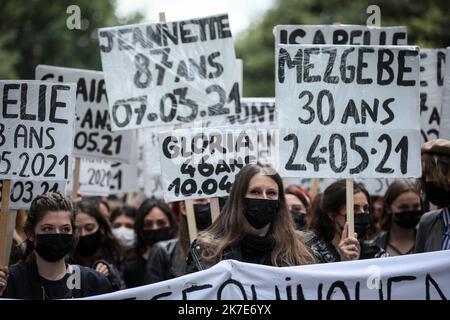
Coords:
56,217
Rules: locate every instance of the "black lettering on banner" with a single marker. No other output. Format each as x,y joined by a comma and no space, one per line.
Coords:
54,104
307,107
316,161
385,65
397,37
329,69
392,280
23,104
165,64
344,68
109,38
402,68
161,295
143,76
440,68
126,106
284,58
430,281
231,282
194,288
335,285
423,57
360,150
290,164
380,168
6,88
343,166
362,65
340,36
2,134
308,66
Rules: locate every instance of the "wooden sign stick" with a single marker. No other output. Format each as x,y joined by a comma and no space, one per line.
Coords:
4,217
190,215
350,207
76,179
215,208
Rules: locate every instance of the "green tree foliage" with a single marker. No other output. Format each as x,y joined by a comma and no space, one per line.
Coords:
428,24
34,32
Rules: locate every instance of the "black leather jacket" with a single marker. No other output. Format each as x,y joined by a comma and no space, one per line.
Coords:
24,283
165,262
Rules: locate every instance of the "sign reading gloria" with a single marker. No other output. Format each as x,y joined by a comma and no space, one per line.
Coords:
350,111
36,130
169,73
93,137
340,34
202,163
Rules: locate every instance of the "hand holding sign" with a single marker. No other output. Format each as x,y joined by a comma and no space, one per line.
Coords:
349,247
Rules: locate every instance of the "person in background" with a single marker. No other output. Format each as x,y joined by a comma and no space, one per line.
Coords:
154,223
254,226
433,231
113,202
329,224
97,247
122,221
402,211
168,258
50,228
298,202
375,216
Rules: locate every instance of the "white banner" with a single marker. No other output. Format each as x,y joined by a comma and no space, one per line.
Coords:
169,73
23,192
432,70
340,34
152,181
344,110
36,130
411,277
202,162
93,137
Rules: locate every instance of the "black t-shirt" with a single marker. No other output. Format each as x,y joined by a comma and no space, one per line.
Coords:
57,289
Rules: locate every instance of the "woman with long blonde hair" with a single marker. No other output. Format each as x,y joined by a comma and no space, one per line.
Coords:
254,226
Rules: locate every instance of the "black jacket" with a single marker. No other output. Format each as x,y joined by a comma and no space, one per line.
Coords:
165,262
24,283
430,231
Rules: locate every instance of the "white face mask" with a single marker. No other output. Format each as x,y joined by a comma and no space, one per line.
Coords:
126,236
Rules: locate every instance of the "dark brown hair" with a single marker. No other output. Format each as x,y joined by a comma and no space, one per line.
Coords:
228,228
395,189
40,206
437,169
110,249
331,201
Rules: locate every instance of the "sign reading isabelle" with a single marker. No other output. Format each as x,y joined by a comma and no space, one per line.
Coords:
340,34
93,137
169,73
36,130
202,163
350,111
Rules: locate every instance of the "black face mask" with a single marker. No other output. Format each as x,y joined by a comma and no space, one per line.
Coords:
153,236
362,225
407,220
53,247
299,219
260,212
88,245
202,216
437,195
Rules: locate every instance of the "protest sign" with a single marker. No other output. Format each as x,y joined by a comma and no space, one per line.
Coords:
348,111
151,163
36,130
23,192
202,163
340,34
93,135
169,73
432,70
410,277
101,177
445,110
